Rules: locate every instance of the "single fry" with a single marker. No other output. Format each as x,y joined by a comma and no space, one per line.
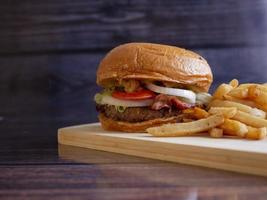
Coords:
258,113
241,93
222,90
234,128
216,133
257,94
227,112
234,83
246,85
239,106
262,87
196,113
242,101
250,119
220,103
256,133
185,129
261,107
246,102
200,113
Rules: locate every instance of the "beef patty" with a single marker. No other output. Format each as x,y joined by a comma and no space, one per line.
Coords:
136,114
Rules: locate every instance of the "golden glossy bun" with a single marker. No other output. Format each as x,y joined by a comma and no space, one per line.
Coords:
154,62
112,125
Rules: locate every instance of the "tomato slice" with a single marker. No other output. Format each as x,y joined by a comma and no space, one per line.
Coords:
138,95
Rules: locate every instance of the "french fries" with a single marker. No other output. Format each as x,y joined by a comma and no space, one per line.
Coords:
222,103
258,113
227,112
257,94
216,133
234,128
249,85
261,107
222,90
256,133
234,83
250,119
196,113
239,106
200,113
246,102
239,93
237,110
241,101
246,85
250,100
185,129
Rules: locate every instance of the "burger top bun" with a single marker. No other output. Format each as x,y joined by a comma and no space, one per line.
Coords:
154,62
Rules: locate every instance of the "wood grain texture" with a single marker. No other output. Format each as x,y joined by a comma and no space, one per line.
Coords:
123,176
83,155
34,26
64,155
127,181
183,193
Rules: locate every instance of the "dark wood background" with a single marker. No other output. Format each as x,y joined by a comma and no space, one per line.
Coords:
49,53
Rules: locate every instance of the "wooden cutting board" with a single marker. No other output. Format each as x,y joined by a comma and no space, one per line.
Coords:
238,155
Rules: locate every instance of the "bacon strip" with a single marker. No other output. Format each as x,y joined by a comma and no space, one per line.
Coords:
167,101
180,104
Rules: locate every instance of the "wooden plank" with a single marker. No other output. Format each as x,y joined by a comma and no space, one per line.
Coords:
245,64
229,154
127,181
48,73
88,25
68,155
147,193
121,176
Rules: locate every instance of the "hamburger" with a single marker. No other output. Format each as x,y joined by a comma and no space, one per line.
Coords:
147,85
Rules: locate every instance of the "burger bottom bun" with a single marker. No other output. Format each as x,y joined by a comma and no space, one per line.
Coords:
112,125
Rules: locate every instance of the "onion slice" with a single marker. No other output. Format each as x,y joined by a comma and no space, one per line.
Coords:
203,98
127,103
188,95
